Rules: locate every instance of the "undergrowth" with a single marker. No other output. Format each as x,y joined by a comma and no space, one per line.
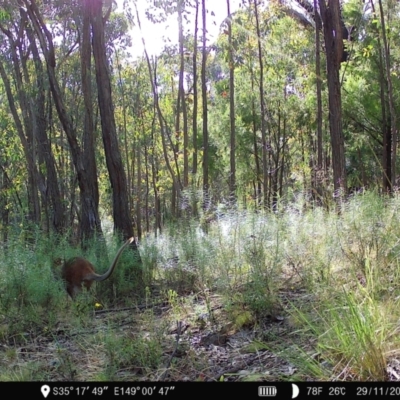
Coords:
332,277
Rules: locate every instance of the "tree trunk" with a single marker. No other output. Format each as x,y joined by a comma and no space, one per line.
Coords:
262,111
330,16
161,120
121,215
154,174
89,226
181,95
385,127
24,127
232,174
33,201
195,92
89,212
206,184
390,144
130,177
146,163
4,202
139,192
318,29
257,193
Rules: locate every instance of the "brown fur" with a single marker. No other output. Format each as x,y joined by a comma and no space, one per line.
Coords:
77,271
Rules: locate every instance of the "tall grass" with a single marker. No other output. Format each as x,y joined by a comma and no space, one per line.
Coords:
332,276
344,263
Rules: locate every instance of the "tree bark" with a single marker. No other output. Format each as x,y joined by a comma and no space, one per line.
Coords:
121,215
386,118
318,29
181,95
33,202
195,91
89,226
391,144
52,189
206,183
262,110
232,158
24,127
89,211
330,15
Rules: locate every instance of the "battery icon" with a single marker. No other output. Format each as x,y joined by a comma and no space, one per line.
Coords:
267,391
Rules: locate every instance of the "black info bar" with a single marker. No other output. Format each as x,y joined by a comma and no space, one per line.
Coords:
187,390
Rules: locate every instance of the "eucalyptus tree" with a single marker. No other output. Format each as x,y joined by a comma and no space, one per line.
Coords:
334,29
368,119
263,114
181,107
32,129
232,172
195,88
382,29
333,37
176,58
87,31
12,169
117,175
204,53
89,224
289,118
318,78
165,131
89,219
138,116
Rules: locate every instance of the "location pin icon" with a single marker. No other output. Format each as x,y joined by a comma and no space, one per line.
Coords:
45,389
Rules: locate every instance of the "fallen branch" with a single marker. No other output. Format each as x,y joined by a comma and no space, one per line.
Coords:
178,334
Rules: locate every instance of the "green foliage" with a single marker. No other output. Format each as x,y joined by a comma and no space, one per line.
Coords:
251,259
142,353
354,337
260,267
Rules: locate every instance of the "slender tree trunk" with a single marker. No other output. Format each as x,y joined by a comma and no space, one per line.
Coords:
318,29
146,163
161,121
392,108
317,170
33,206
90,224
157,208
257,194
206,184
274,173
362,168
89,209
262,110
386,119
126,147
283,160
139,192
331,18
45,150
181,95
24,127
232,174
5,204
195,92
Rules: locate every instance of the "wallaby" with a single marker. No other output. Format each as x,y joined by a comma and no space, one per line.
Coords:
77,271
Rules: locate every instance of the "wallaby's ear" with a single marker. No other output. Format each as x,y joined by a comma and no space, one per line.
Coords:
57,262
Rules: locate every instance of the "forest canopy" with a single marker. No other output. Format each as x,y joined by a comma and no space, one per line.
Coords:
291,97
